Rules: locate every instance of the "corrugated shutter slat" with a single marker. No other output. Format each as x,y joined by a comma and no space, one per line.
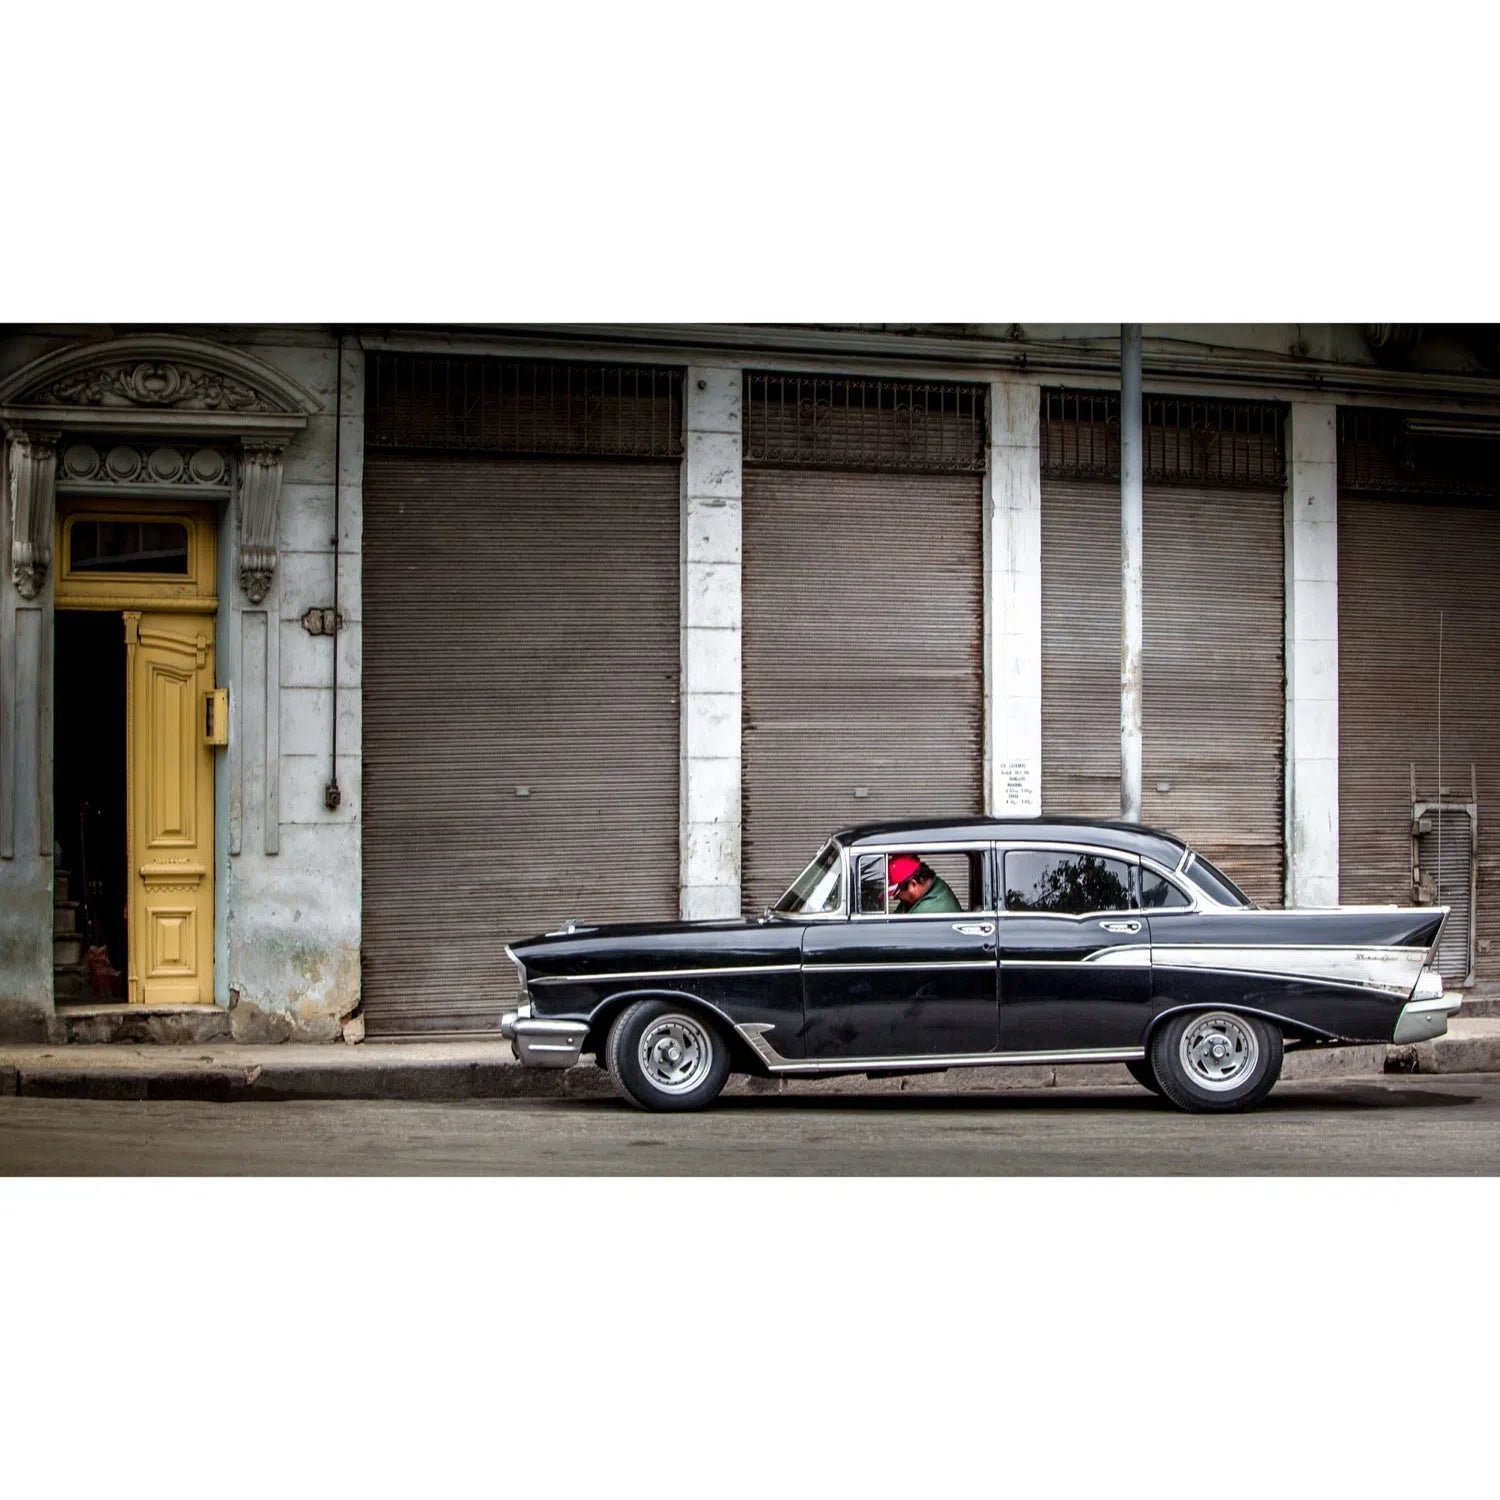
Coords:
862,619
521,630
1402,563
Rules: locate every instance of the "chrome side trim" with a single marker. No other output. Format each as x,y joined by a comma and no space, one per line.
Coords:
882,967
665,974
754,1035
1128,956
1289,977
1389,970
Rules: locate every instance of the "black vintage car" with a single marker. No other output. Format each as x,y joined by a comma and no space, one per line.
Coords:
915,947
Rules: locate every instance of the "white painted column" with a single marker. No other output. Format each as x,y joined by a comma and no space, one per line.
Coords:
1312,656
1013,602
711,639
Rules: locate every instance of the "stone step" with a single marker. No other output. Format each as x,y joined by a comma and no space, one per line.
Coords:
70,982
60,885
67,949
64,917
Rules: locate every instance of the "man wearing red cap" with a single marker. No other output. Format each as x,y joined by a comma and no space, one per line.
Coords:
918,888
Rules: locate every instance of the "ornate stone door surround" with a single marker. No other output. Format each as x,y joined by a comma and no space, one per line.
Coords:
146,416
145,389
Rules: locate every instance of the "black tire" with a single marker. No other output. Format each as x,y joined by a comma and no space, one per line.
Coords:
1213,1061
1140,1070
653,1040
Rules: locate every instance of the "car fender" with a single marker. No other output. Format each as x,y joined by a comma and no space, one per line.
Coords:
1303,1029
609,1008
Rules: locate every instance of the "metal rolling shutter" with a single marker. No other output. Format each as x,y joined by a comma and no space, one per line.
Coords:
1213,696
1403,561
521,730
863,684
1080,649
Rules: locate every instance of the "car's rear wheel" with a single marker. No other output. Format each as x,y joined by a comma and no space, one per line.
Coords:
1211,1061
666,1056
1140,1070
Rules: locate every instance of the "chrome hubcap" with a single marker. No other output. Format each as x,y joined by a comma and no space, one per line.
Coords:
676,1053
1219,1051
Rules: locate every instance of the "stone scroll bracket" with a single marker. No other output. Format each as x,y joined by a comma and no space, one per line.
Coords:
259,502
33,501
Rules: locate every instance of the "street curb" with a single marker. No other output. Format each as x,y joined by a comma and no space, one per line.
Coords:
447,1072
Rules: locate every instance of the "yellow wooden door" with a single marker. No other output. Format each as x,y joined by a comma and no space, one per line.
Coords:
169,807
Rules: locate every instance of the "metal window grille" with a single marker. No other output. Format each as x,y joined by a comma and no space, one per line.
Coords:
478,403
838,422
1238,444
1444,873
1379,454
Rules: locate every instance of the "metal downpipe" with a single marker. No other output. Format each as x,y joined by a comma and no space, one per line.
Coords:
1130,571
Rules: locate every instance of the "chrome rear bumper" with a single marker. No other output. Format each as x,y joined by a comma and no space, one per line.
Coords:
1421,1020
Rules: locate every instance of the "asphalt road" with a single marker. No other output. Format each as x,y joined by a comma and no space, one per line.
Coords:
1396,1126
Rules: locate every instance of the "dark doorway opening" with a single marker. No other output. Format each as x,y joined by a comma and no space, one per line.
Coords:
89,806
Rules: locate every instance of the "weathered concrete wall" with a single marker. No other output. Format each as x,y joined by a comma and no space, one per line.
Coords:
291,867
1013,602
1312,656
26,866
711,625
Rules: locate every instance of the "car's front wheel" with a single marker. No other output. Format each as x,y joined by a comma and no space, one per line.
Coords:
662,1055
1216,1060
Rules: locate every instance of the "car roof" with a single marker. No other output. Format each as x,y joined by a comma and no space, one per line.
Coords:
1134,837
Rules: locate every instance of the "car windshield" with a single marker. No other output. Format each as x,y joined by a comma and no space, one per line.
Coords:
819,888
1213,880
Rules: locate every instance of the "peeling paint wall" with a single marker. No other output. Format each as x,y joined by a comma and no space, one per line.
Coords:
291,927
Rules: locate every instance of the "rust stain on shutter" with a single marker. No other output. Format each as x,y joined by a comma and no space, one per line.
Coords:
521,721
863,685
1402,561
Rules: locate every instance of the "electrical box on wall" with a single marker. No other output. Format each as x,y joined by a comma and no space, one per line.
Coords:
216,716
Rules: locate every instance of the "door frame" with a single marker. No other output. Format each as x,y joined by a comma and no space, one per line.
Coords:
131,595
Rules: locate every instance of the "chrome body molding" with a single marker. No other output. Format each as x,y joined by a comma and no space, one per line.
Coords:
628,974
541,1043
1421,1020
884,966
754,1034
1390,971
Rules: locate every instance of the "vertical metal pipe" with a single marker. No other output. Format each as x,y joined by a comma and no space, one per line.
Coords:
1130,571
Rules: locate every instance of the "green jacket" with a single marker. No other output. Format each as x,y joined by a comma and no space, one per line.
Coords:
939,897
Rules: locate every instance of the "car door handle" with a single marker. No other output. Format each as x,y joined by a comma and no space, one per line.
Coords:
975,929
1121,926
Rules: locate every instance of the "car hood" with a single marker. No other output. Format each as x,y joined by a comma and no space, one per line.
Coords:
632,945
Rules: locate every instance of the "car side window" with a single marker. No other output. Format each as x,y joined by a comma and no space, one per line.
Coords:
1160,894
1044,880
959,875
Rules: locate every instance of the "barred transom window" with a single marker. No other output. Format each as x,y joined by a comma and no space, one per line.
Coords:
480,403
846,422
1185,440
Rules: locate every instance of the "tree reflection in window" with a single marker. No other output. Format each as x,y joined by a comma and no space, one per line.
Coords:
1072,884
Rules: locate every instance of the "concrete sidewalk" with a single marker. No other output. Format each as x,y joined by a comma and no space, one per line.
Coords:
482,1069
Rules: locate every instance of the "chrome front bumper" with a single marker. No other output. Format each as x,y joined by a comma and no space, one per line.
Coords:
1421,1020
541,1043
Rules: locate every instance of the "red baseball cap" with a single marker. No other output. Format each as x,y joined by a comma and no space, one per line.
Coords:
902,868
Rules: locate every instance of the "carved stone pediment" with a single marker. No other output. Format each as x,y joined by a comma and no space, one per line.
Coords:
154,412
155,376
158,383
